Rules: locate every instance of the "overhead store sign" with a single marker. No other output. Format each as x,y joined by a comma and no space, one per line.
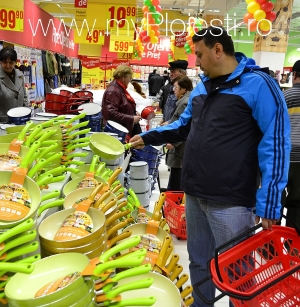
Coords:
12,15
89,28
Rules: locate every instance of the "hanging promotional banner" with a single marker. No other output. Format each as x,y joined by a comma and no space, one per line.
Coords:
12,15
180,39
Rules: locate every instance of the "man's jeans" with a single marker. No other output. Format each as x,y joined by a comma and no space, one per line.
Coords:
210,224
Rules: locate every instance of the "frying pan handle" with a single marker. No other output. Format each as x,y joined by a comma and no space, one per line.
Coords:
50,195
133,241
26,268
114,175
100,169
50,148
187,291
124,235
56,203
84,131
115,228
79,116
32,135
134,285
22,134
118,263
24,226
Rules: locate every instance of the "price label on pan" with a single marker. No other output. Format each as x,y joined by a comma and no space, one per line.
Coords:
11,19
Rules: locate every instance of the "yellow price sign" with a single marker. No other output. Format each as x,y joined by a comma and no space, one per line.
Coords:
92,37
120,46
90,76
121,17
11,19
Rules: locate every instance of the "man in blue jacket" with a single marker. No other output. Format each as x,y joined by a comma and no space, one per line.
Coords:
237,133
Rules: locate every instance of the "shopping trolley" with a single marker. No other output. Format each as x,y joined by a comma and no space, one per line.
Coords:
263,270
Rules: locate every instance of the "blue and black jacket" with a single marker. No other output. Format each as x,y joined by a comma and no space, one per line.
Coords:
234,135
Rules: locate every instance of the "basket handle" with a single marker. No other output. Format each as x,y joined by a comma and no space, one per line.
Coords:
202,297
230,242
294,225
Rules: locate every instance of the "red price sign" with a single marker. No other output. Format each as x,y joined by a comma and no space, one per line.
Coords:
122,17
11,19
120,46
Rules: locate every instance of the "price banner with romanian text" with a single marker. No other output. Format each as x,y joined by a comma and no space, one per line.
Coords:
120,44
121,17
12,15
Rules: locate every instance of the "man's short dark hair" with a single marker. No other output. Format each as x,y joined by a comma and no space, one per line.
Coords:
213,35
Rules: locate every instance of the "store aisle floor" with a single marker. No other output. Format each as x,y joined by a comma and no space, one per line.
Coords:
180,245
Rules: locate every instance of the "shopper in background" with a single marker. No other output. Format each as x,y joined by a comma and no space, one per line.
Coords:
166,96
155,83
291,199
166,76
12,89
117,104
182,89
236,127
152,74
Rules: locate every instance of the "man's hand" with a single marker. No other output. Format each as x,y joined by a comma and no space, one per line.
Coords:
137,142
169,146
266,223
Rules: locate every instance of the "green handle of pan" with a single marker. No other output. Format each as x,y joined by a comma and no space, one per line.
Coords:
19,241
26,249
131,242
24,226
77,155
51,148
84,131
45,180
72,170
58,178
113,185
56,203
80,140
50,142
27,260
138,253
134,285
47,123
26,268
130,200
136,201
37,129
46,135
42,162
70,121
30,259
26,160
142,269
83,124
95,159
127,146
22,134
74,146
100,169
50,195
74,162
139,301
55,171
118,263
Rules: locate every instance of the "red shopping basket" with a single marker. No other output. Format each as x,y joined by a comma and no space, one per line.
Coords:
175,214
261,271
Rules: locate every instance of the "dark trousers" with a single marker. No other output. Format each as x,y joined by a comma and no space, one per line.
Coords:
291,201
174,180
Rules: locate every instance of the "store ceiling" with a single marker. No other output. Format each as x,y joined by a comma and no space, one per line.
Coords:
234,8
